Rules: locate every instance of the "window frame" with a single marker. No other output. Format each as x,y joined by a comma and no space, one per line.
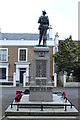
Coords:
3,78
6,55
5,65
19,54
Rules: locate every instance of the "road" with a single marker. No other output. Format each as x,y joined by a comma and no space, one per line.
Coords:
8,93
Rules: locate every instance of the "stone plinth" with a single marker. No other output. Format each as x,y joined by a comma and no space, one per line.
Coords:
41,86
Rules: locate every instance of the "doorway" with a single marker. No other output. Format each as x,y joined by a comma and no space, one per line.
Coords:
22,71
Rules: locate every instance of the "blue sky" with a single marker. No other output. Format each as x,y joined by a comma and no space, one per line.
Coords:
21,16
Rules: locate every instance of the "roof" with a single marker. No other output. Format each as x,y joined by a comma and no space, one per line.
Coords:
18,36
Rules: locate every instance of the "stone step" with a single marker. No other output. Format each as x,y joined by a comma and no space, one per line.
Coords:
33,111
40,113
41,118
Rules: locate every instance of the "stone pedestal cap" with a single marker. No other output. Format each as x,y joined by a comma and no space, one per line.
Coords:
44,49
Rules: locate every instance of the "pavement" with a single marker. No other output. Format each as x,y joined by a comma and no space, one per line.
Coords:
8,93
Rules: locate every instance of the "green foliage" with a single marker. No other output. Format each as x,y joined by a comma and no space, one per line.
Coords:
68,56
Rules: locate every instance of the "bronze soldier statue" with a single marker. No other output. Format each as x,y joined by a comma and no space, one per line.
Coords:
44,25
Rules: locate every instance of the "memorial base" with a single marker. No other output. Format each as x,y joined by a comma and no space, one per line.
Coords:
41,94
41,86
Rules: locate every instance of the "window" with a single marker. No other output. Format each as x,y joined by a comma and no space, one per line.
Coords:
2,73
22,54
3,54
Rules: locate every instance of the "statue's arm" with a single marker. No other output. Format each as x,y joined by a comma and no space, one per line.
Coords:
39,21
48,21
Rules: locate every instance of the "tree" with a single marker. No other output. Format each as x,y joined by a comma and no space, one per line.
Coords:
77,67
66,59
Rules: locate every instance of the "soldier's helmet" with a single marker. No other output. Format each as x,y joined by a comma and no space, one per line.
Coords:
44,12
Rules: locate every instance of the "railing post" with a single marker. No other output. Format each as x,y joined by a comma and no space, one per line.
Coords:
17,107
55,80
64,80
41,107
14,79
65,108
24,79
71,105
11,105
27,74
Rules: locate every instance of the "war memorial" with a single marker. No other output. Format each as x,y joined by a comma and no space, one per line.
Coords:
41,103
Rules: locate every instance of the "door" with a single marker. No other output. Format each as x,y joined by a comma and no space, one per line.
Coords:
22,71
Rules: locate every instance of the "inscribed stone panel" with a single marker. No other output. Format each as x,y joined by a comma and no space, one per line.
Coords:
40,68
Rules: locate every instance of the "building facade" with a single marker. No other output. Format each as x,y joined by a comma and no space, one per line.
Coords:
16,54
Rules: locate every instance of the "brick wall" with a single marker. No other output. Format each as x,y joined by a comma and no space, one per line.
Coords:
13,57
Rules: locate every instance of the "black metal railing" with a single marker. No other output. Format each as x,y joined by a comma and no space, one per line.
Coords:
41,104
